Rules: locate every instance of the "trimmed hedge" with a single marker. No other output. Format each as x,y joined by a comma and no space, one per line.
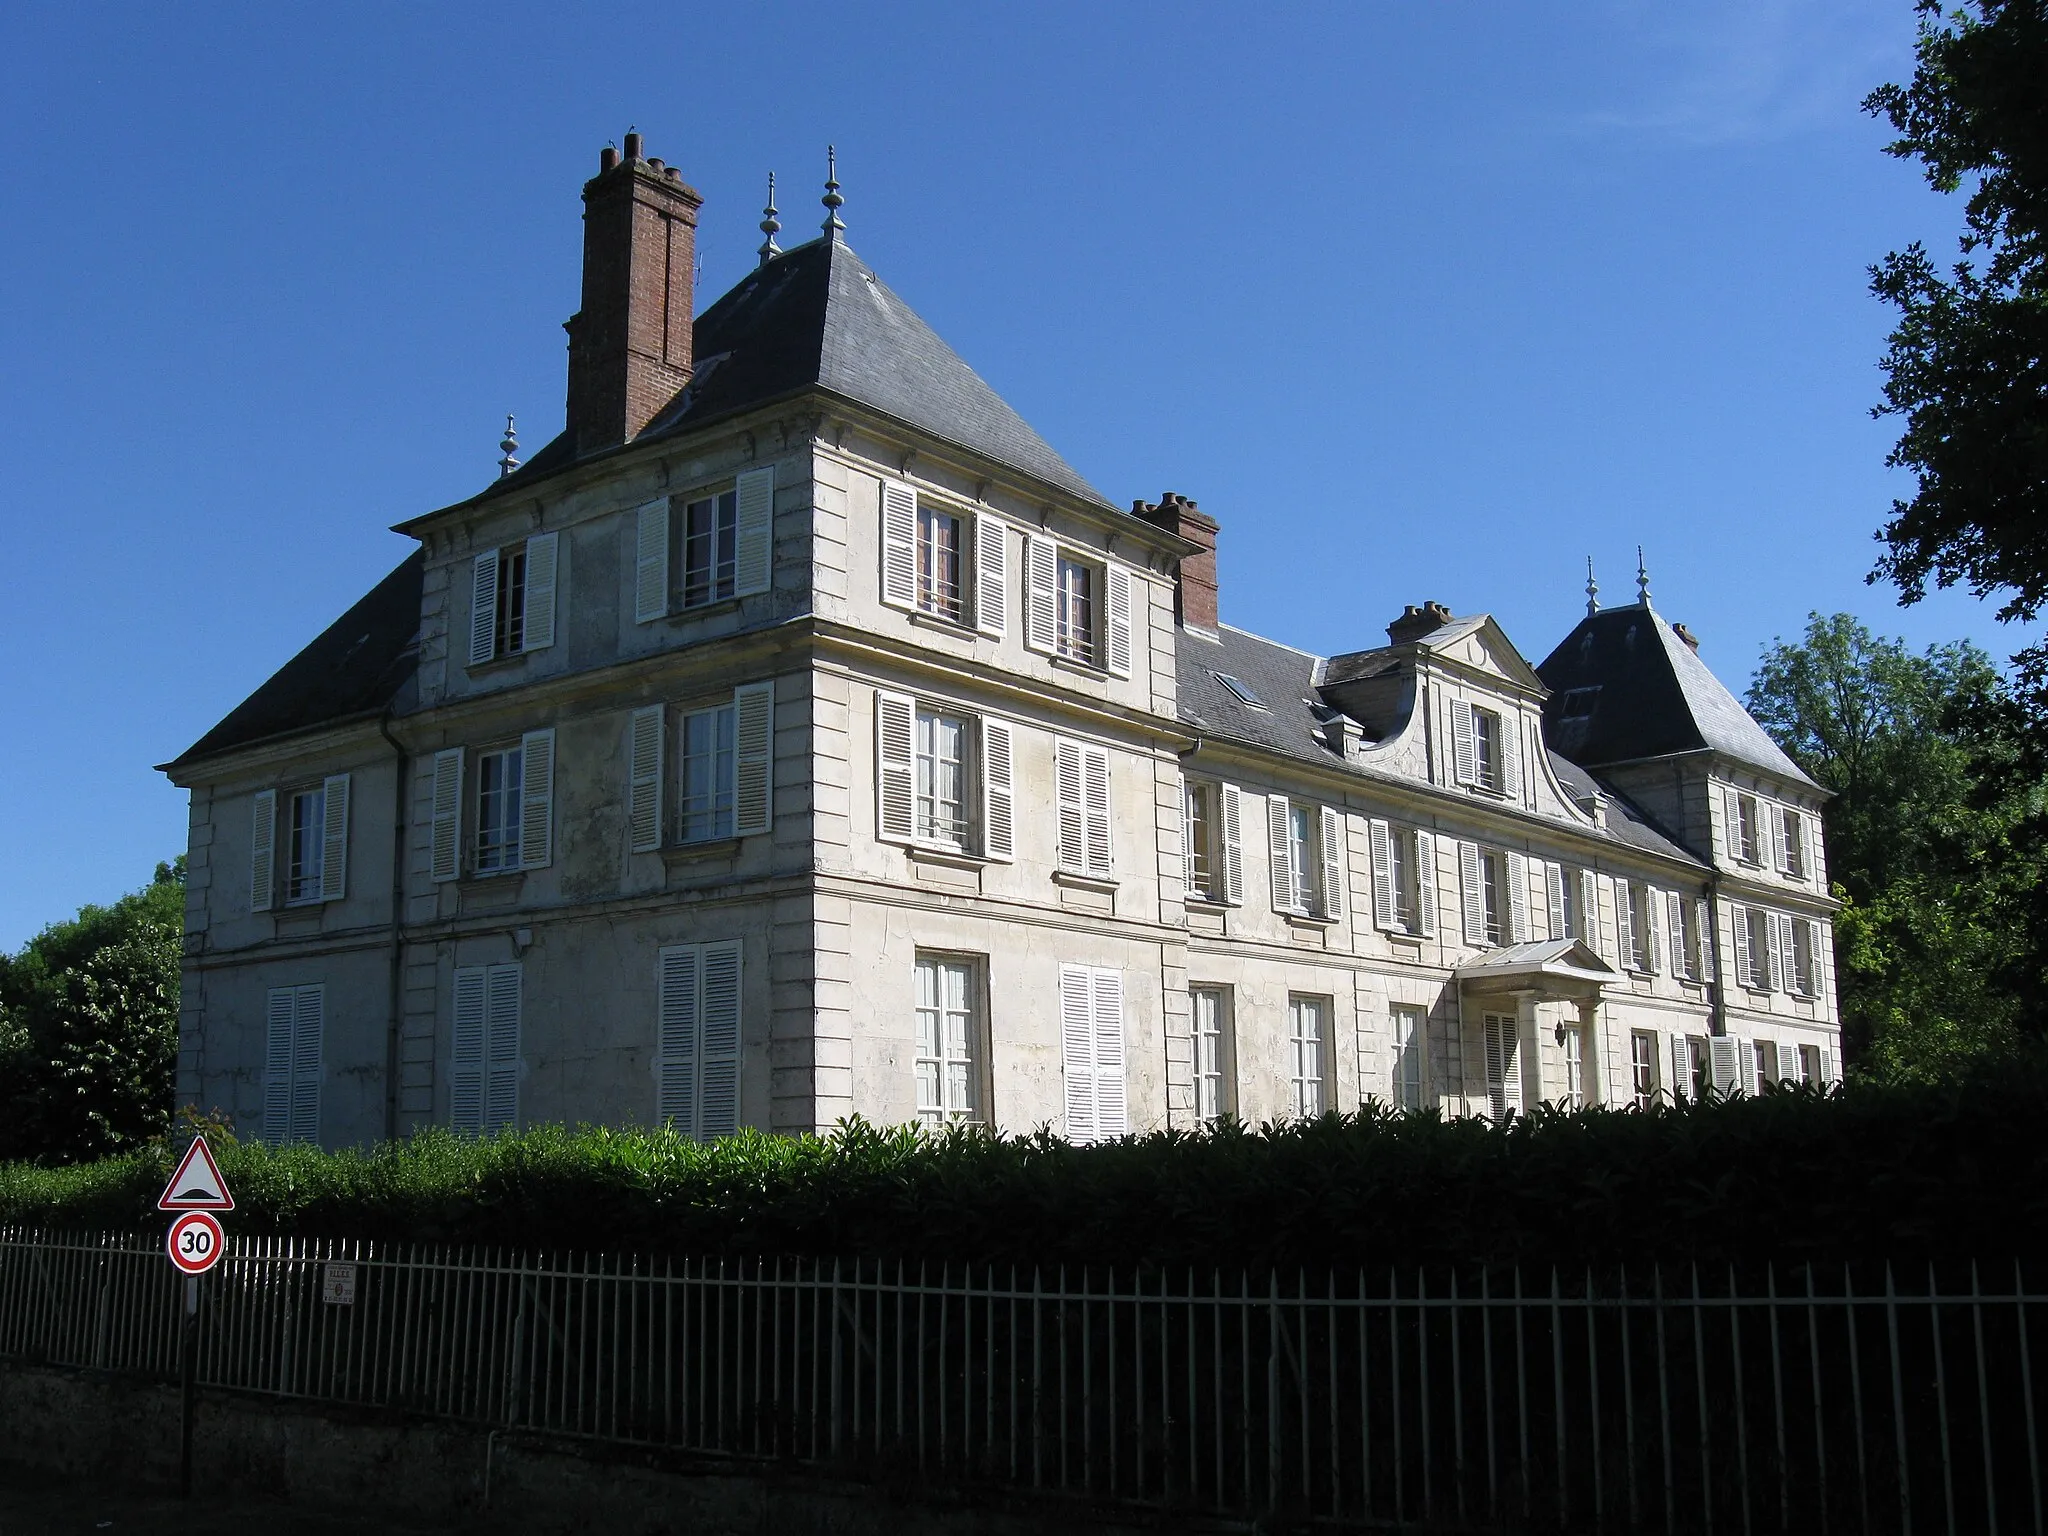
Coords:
1901,1173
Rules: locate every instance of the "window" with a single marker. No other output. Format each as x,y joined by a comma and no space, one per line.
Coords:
1503,1064
1578,703
1092,1042
1308,1029
1483,749
511,636
484,1065
1792,843
1683,926
511,810
1642,1063
697,1039
726,539
1638,925
1766,1058
1307,847
1574,1066
1081,783
1799,946
948,563
497,810
941,574
1698,1074
1567,904
1745,827
1214,1067
1074,628
711,534
943,779
316,845
1077,607
512,599
291,1066
948,1041
709,778
1411,1040
1242,690
724,773
1496,896
1403,878
1215,842
1755,954
1810,1065
302,872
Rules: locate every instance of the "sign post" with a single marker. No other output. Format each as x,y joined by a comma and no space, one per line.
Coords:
195,1244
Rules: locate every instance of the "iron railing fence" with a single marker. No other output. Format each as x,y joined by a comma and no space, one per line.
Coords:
1774,1401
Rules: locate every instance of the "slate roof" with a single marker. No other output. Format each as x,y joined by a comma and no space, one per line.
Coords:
356,666
1656,698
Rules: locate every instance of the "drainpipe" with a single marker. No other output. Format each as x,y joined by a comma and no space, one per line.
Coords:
396,996
1717,998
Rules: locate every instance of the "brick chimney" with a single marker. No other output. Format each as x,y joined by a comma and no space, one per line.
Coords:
1416,622
630,343
1194,588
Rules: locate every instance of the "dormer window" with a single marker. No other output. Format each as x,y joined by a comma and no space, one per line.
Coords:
1484,750
1578,704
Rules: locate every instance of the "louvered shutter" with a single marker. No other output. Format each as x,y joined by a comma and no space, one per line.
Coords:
1745,1067
1511,754
1774,951
998,792
643,785
754,531
1589,910
1077,1039
483,608
1518,898
753,708
536,799
1470,875
650,562
675,1061
1829,1067
1652,943
1095,784
1624,924
543,563
1674,928
309,1010
991,573
501,1048
1041,578
899,545
263,852
445,829
1722,1064
1336,868
1384,910
1738,924
1072,805
466,1055
895,770
334,837
1233,844
1782,838
1816,979
1553,888
280,1015
1425,881
1112,1111
1705,952
1119,627
718,1068
1731,820
1187,838
1496,1068
1464,753
1280,852
1766,842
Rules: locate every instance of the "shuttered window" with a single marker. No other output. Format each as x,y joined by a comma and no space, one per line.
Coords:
708,778
1496,896
1078,607
697,1039
1792,842
944,778
484,1060
707,547
1081,787
512,598
1503,1064
514,807
1092,1042
296,1024
1642,1063
1307,854
949,563
1214,835
498,782
1639,920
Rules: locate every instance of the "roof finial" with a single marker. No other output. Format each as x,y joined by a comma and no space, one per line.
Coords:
770,226
1592,590
1642,579
509,446
833,225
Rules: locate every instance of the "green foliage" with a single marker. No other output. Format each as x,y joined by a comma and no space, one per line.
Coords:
1899,1172
89,1027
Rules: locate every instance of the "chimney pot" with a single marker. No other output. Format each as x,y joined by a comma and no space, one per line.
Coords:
607,160
1194,588
632,146
654,165
1416,622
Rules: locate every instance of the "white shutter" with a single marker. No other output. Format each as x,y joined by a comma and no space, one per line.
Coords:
1425,881
501,1048
650,563
718,1062
1775,951
1280,853
754,531
1738,925
1624,925
1112,1111
1233,845
753,708
280,1014
991,573
1731,821
466,1056
998,793
675,1060
263,852
542,572
446,821
1722,1064
1589,909
483,608
1518,898
643,783
1187,838
1464,754
1745,1067
1470,875
1681,1067
899,545
1553,888
1652,940
1041,577
1511,754
1766,843
895,770
1707,960
1782,837
334,837
1335,866
1095,785
1674,928
536,799
1383,902
1830,1067
1071,803
1118,631
309,1010
1077,1039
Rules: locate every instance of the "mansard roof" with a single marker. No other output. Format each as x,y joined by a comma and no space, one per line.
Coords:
1655,698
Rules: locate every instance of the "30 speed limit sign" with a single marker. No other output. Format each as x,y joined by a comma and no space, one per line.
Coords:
195,1242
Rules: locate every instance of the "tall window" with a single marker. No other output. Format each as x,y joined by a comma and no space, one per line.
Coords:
1809,1064
1503,1063
1213,1084
1699,1073
308,844
497,809
1308,1020
1642,1062
1799,955
512,599
1792,844
511,622
1766,1067
1074,627
948,1072
1492,900
1570,892
1486,749
1574,1066
1636,936
1305,855
1410,1041
1690,961
1746,835
709,780
291,1066
941,582
1403,871
710,548
1757,924
941,779
1205,868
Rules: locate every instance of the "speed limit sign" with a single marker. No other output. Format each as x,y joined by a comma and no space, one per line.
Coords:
195,1242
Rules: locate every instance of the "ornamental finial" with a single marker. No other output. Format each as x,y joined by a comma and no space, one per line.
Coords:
508,446
833,226
1592,590
1642,579
771,226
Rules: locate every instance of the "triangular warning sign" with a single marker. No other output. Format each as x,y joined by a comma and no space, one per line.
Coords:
197,1185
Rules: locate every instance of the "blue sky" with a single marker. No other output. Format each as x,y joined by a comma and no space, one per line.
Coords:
1420,301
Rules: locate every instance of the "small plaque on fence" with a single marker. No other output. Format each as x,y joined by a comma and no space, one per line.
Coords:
338,1285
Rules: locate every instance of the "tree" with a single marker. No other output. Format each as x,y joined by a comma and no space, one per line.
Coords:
89,1027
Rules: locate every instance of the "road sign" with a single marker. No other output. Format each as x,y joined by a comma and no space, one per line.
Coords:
197,1185
195,1242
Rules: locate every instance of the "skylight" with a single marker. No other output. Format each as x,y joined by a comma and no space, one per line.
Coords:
1243,691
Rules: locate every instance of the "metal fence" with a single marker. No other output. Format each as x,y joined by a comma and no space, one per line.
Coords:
1776,1401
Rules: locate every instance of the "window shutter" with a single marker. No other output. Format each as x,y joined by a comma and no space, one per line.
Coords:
1704,956
899,545
991,573
1077,1031
1233,845
1518,898
1496,1069
1281,853
754,531
1336,867
1187,838
1774,932
753,708
1041,576
1745,1067
1731,821
1829,1067
334,837
1681,1067
1511,753
1118,632
895,770
1383,904
445,854
1624,924
1652,941
718,1068
1781,829
1475,905
1112,1111
1722,1064
501,1048
263,852
1766,843
483,607
1464,754
643,783
1072,807
1095,779
1589,907
542,569
280,1015
466,1058
675,1060
650,563
1674,933
1816,987
309,1009
1425,880
536,799
1554,878
1738,922
998,793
